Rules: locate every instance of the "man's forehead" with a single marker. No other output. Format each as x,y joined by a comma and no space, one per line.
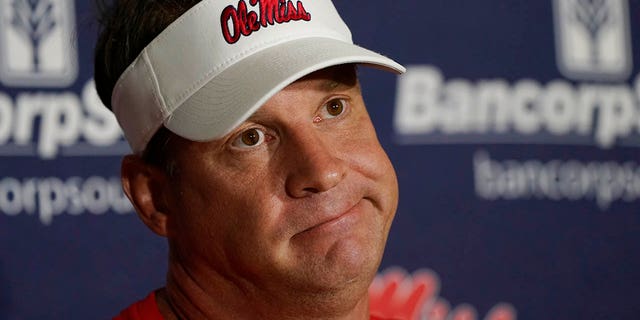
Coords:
331,78
325,81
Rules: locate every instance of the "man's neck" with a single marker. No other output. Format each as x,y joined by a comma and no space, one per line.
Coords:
191,296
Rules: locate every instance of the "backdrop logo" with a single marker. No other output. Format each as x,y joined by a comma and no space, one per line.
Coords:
593,44
49,124
394,294
593,39
37,43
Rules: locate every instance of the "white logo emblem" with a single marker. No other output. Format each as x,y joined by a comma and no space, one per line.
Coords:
593,39
37,43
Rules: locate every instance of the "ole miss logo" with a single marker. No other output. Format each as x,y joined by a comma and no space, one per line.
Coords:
240,21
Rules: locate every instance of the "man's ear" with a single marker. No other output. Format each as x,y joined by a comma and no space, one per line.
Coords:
145,185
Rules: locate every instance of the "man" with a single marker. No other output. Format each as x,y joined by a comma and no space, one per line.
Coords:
253,154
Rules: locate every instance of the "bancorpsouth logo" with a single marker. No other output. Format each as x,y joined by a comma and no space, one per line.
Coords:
50,124
593,39
395,294
593,43
37,43
602,110
241,21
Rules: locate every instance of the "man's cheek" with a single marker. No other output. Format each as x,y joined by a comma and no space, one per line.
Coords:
370,159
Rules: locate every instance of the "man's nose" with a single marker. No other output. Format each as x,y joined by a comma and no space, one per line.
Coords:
314,164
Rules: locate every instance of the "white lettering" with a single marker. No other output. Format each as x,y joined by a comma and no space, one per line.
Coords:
6,117
100,128
63,121
60,123
558,108
604,182
602,113
28,108
76,206
589,100
417,92
492,106
52,197
10,196
525,102
617,114
94,195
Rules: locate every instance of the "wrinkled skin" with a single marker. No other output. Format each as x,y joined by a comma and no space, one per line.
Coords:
285,217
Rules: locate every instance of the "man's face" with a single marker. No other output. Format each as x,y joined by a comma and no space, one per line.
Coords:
299,197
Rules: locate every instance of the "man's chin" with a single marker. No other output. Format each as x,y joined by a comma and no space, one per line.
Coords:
346,262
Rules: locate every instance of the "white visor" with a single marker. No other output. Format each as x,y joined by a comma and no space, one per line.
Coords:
220,61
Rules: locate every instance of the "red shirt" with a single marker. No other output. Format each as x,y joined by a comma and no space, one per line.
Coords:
147,309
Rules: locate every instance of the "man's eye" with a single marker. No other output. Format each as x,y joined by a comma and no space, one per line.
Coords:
249,138
334,108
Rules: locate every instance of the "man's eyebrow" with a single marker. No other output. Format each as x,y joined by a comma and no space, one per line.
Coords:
330,85
256,116
333,84
340,78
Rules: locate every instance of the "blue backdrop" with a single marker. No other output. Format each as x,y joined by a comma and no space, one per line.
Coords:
515,135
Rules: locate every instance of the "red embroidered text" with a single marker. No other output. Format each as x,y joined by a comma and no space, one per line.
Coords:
241,21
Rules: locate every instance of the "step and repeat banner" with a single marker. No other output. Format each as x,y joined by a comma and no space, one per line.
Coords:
515,134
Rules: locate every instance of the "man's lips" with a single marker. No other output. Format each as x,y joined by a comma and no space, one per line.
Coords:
334,221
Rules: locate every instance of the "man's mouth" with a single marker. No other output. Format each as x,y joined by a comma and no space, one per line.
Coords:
343,220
